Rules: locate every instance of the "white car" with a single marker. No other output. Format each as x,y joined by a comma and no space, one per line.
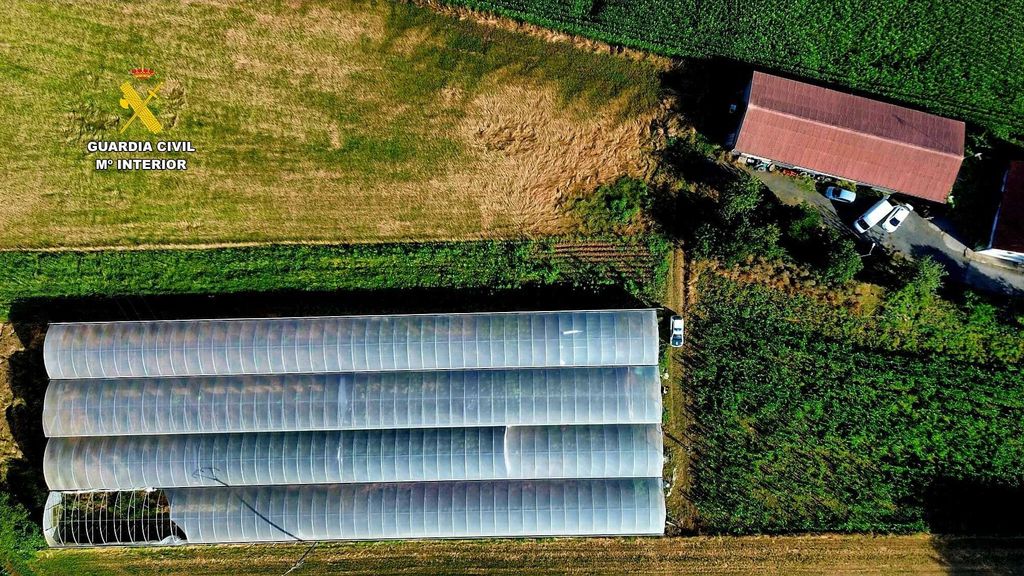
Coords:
841,195
677,326
896,217
873,216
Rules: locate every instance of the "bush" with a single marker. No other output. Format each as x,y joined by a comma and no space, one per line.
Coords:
833,257
842,262
20,537
612,207
804,228
582,8
739,199
922,280
739,224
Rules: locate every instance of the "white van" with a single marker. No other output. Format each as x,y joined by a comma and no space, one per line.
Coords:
873,216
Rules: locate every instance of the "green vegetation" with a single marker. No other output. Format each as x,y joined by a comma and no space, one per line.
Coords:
336,121
950,57
613,207
833,257
812,418
740,223
384,121
20,538
491,265
732,217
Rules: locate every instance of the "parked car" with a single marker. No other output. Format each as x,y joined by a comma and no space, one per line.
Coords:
873,216
840,195
676,325
896,217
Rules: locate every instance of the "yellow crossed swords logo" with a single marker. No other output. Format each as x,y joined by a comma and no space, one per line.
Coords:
139,107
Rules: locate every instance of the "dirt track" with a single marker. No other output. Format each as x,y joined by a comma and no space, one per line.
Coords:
918,555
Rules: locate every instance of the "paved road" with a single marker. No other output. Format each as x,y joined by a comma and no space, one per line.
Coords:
916,238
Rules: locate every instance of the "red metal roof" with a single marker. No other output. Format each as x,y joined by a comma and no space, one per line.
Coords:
852,137
1009,230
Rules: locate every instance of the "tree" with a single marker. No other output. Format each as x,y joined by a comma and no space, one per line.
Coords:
841,262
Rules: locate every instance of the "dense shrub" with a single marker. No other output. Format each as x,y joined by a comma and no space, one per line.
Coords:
842,261
581,8
915,317
612,207
917,294
833,257
799,428
924,53
19,538
740,223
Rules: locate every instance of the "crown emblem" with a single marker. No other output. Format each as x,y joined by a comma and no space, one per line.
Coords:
143,73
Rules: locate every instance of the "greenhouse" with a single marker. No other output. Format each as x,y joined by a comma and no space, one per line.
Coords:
335,428
112,407
351,344
342,457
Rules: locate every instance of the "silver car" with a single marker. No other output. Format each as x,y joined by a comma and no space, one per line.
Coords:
840,195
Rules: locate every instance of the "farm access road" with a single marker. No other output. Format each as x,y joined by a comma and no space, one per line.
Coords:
918,555
916,238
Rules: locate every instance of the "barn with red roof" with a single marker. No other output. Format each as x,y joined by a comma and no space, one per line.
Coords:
872,143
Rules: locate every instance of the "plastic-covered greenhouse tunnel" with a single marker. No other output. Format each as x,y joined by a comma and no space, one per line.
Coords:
515,424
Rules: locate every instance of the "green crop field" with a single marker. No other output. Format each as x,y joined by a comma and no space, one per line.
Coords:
957,58
836,421
333,121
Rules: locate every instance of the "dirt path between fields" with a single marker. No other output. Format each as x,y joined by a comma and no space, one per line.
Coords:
682,514
919,555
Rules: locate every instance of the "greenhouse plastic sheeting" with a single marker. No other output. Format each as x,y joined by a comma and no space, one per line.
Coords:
101,407
419,510
351,344
335,457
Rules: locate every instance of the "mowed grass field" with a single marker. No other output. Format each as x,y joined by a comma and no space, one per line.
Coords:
329,121
917,555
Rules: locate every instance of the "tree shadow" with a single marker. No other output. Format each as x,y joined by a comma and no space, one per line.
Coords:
976,508
24,480
979,524
980,556
705,91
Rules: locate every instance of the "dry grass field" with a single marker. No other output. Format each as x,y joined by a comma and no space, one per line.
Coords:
920,555
313,121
